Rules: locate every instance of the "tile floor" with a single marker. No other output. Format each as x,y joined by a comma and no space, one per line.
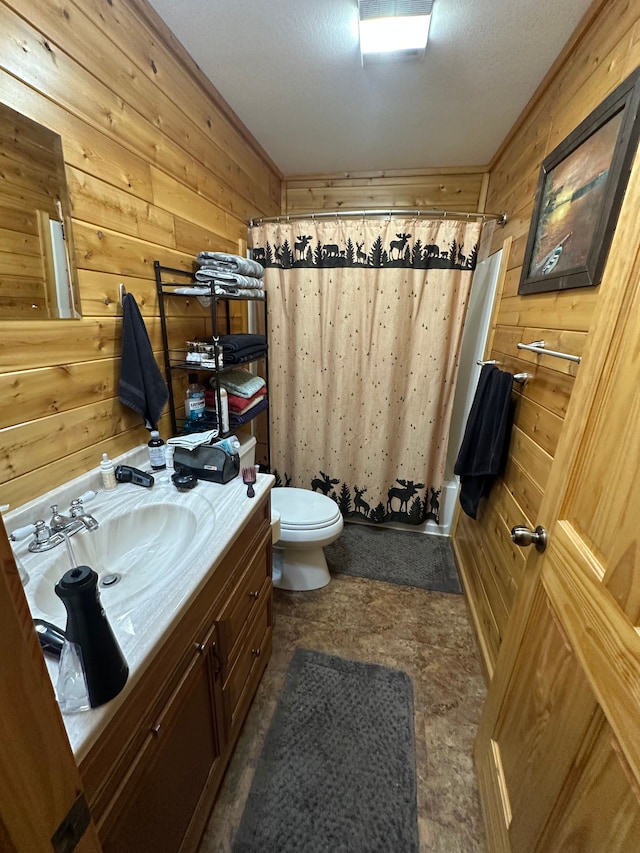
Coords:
426,634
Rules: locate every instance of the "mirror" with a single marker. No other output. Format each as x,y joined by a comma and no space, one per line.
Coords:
38,279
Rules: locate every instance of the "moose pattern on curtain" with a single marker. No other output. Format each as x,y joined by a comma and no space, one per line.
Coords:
365,325
399,254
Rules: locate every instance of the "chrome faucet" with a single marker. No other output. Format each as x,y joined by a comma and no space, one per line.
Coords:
78,512
76,520
60,523
44,538
60,526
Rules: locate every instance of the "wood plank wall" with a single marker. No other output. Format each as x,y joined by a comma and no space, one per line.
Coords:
410,189
157,167
603,51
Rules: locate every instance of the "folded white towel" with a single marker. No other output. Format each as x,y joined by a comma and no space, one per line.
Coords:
193,291
202,294
233,263
195,439
228,279
239,292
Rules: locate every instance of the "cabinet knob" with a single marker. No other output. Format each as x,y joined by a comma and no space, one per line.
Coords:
254,595
255,652
156,729
201,648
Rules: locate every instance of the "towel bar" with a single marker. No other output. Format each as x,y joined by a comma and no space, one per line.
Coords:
539,348
520,378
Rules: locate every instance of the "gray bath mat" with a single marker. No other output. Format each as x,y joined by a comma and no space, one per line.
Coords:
396,556
337,770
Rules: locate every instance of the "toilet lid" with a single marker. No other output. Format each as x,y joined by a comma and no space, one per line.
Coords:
300,508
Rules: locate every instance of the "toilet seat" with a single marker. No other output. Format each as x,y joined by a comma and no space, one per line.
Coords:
301,509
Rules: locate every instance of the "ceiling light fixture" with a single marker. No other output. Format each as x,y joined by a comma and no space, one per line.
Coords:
394,29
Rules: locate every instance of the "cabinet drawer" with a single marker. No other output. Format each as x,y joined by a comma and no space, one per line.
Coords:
250,657
244,602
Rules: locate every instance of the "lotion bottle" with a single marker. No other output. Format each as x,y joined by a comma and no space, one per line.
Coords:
108,472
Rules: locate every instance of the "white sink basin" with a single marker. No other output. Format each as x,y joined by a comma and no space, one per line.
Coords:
133,550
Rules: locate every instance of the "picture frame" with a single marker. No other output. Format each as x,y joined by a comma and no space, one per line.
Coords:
579,195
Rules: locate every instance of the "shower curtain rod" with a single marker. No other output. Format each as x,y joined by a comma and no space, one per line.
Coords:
501,218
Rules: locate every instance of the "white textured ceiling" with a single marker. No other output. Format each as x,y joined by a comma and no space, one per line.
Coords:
291,70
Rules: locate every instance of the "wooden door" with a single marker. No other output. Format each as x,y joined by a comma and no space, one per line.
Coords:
42,805
558,748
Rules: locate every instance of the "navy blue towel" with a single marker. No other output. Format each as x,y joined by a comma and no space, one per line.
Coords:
236,343
485,444
244,355
141,385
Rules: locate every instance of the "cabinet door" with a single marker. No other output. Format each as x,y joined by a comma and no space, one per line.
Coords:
155,803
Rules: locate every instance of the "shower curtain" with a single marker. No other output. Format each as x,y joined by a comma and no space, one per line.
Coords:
365,324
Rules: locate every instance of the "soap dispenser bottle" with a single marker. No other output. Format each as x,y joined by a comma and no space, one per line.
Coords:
105,668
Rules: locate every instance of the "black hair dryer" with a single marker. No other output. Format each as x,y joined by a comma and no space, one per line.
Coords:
105,668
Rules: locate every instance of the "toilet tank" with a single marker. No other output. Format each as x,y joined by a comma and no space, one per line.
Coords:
247,450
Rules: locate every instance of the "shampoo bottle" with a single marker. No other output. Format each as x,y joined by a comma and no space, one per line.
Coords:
157,451
194,413
108,473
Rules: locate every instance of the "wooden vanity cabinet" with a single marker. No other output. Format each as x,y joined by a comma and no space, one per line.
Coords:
152,777
245,629
153,806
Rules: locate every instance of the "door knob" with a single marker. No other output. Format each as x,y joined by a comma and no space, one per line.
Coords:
524,536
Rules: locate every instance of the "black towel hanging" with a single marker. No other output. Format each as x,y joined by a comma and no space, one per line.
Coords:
483,451
141,385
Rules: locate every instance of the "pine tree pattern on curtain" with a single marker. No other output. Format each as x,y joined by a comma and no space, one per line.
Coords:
365,326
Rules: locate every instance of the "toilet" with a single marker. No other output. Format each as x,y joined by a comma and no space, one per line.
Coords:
308,522
302,524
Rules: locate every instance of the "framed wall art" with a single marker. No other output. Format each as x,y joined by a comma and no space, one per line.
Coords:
579,196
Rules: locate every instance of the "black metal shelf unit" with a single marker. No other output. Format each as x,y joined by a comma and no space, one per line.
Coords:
168,281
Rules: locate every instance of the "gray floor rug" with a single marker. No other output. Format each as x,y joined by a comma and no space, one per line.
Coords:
396,556
337,770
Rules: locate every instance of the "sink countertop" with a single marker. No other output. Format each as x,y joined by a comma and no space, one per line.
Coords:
139,628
